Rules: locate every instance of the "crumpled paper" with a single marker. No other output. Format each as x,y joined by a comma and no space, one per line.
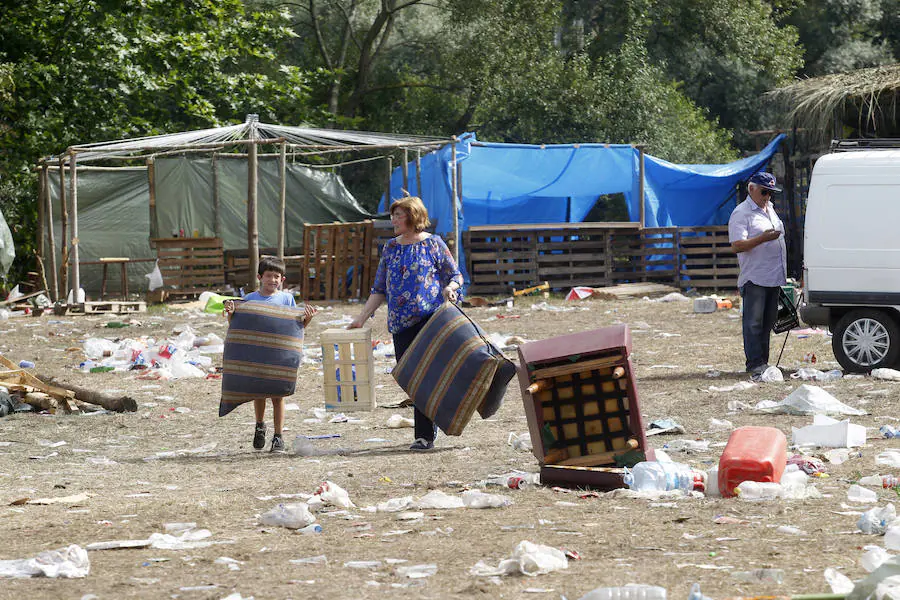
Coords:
527,559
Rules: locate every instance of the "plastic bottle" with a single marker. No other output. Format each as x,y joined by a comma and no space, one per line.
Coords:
889,431
26,364
627,592
662,476
760,575
759,490
314,528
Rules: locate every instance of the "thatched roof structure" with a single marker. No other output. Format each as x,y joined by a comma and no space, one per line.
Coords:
865,99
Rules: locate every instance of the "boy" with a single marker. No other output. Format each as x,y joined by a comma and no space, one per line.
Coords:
271,277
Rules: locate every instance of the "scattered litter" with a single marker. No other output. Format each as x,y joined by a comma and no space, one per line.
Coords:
520,441
886,374
331,494
719,425
809,374
829,433
478,499
321,559
438,499
687,446
399,421
664,426
292,516
772,375
877,520
839,583
672,297
527,559
888,458
66,563
808,400
417,571
857,493
70,500
551,308
737,387
363,564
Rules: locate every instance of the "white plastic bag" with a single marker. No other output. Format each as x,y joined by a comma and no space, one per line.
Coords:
155,277
478,499
293,516
330,493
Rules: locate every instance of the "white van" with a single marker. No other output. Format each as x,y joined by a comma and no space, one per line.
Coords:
851,256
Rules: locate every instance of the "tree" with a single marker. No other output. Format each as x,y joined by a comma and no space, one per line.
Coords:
723,55
91,70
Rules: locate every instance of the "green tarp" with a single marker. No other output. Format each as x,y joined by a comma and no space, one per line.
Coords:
114,213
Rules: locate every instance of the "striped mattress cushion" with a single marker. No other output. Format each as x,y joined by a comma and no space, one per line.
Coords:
451,370
263,348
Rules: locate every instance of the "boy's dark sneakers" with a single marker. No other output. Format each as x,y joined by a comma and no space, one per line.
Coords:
277,444
259,436
422,445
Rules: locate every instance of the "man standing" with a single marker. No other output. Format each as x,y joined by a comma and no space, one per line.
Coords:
757,235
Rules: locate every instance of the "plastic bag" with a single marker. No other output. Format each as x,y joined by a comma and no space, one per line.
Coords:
293,516
155,277
478,499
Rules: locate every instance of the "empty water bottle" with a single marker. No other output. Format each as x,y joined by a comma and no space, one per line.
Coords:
662,476
885,481
759,490
314,528
627,592
26,364
760,576
889,431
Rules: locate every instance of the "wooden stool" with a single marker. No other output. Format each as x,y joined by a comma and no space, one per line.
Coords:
349,368
122,262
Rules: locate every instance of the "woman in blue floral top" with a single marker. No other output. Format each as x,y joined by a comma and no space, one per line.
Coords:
416,275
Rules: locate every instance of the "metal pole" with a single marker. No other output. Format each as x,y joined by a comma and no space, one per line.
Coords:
418,173
282,164
641,186
455,204
405,169
64,218
51,235
252,231
76,268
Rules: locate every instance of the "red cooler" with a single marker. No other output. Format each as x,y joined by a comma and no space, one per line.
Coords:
752,454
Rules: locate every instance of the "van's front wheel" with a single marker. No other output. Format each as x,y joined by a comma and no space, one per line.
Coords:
866,339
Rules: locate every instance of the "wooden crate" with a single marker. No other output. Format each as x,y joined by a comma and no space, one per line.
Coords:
582,407
190,266
337,259
349,368
707,259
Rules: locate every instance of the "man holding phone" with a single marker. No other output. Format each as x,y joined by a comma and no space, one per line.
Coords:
756,233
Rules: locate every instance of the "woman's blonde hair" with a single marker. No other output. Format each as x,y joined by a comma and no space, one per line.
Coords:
418,214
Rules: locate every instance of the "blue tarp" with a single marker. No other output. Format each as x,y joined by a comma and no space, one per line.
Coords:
520,183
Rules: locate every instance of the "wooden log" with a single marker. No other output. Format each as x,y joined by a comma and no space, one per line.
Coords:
252,228
42,401
73,192
113,403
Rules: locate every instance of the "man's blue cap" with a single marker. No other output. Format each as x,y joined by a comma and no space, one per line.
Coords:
765,180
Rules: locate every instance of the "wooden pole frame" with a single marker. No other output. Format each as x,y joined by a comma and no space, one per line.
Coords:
73,192
282,166
252,228
418,173
453,189
406,169
64,218
389,161
641,198
217,227
51,235
151,190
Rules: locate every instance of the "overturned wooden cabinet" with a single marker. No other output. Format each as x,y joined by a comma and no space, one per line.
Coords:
582,407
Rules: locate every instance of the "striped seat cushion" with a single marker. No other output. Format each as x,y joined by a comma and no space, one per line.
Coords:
451,370
263,348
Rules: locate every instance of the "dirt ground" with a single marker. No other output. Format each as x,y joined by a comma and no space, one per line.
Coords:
668,543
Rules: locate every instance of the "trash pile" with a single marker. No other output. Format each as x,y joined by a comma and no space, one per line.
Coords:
186,355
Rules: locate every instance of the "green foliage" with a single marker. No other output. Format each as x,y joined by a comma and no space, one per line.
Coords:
843,35
93,70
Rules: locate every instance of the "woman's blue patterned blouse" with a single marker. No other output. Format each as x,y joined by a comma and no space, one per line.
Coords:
412,277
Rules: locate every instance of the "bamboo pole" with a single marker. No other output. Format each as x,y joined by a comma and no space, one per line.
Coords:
418,173
51,236
282,165
406,169
217,227
42,213
64,218
455,205
642,204
151,187
252,230
73,192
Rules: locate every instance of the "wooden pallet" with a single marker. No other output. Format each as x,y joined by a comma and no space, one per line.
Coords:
190,266
337,258
114,307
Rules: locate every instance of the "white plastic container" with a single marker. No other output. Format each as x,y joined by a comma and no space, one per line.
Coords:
627,592
759,490
663,476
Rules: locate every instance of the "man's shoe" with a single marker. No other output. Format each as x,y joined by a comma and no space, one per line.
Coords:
259,436
422,445
758,369
277,444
